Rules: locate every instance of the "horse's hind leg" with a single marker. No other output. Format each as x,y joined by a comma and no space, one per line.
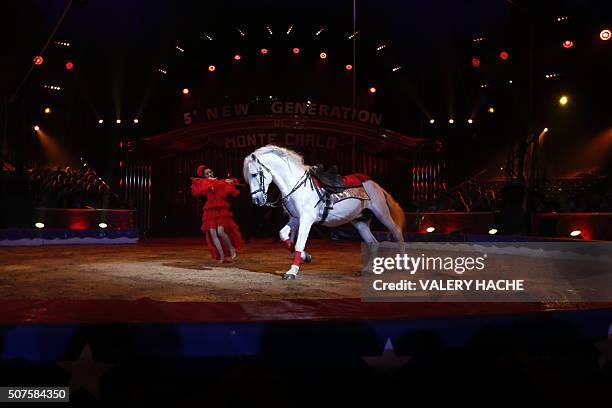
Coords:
378,205
363,227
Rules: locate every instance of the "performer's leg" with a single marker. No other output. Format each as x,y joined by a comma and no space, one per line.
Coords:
216,243
226,239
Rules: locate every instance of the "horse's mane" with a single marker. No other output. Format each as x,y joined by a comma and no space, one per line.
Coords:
282,152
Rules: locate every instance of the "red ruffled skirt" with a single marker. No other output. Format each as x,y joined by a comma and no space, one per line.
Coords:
217,214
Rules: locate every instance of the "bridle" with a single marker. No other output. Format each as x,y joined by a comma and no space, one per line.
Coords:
281,201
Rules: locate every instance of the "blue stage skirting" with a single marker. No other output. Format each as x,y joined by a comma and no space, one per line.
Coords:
48,236
204,363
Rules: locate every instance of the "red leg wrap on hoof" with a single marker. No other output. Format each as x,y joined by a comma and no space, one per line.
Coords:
290,245
297,258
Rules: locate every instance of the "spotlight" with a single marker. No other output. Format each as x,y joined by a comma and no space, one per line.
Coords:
568,44
475,62
381,47
179,49
102,225
38,60
211,68
264,51
563,100
319,31
348,67
288,30
430,229
36,128
39,225
396,68
491,109
350,37
241,32
510,81
545,130
162,71
372,90
470,121
493,231
605,35
575,233
100,121
503,55
323,55
185,91
136,121
451,121
69,65
47,110
118,121
237,57
296,50
270,29
432,121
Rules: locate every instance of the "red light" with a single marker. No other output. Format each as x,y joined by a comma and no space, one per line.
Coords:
323,55
296,50
69,65
372,90
211,68
348,67
264,51
605,35
475,62
503,55
38,60
568,44
237,57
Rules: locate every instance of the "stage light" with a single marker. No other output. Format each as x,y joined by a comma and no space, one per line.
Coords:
350,37
211,68
237,57
575,233
179,49
510,81
136,121
36,128
38,60
296,50
185,91
372,90
381,47
545,130
348,67
47,110
451,121
118,121
102,225
241,32
288,30
503,55
69,65
491,109
100,121
563,100
493,231
39,225
270,29
605,35
396,68
430,229
319,31
162,71
470,121
483,85
264,51
568,44
323,55
475,62
432,121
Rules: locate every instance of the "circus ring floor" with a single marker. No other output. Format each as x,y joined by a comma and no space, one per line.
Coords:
159,321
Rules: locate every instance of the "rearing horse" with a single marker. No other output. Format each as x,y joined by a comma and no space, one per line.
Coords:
301,198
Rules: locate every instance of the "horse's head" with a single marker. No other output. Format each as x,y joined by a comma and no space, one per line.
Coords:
258,176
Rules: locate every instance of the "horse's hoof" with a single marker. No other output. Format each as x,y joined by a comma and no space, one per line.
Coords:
289,276
307,257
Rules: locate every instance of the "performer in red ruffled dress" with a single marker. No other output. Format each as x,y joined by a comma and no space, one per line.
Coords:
222,234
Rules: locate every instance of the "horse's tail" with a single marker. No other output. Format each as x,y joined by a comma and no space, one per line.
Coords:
397,212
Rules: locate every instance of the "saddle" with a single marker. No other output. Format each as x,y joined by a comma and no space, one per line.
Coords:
329,179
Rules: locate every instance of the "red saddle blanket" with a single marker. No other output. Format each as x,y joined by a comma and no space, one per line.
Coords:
350,180
354,180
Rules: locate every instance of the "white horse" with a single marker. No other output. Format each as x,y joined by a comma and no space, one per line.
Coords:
301,199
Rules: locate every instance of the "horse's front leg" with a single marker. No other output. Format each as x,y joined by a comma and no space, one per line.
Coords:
300,244
288,235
